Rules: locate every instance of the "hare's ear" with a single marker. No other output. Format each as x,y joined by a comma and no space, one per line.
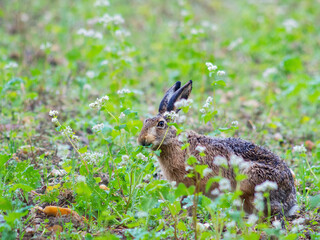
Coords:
182,93
164,103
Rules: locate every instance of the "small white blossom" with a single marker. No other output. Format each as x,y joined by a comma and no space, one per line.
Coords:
80,178
188,168
87,86
90,33
200,148
298,221
98,127
102,3
53,113
184,13
200,227
173,183
122,33
224,184
99,102
276,224
235,123
104,62
171,115
125,158
54,120
220,161
183,137
252,219
123,91
209,100
266,186
142,214
207,171
235,160
118,19
181,119
11,65
90,74
92,157
183,103
299,149
45,45
68,131
142,157
237,203
231,224
234,44
258,201
202,110
122,115
211,67
290,24
268,72
215,192
228,235
221,73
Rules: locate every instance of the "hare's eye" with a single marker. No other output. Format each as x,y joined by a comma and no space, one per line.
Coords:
160,124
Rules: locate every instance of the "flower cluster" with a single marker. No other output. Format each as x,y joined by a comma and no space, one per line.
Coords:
90,74
268,72
299,149
102,3
171,115
200,148
98,127
92,157
11,65
90,33
211,67
122,33
99,102
235,123
45,46
220,161
266,186
142,157
206,105
123,91
290,24
107,19
221,73
53,113
183,103
224,184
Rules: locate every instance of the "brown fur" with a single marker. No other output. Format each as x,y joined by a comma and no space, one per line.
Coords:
263,164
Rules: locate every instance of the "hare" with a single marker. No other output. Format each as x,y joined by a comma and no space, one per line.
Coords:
262,164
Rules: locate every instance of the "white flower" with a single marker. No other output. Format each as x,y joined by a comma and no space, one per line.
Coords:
123,91
122,33
237,203
202,110
299,149
68,131
87,86
142,157
268,72
235,123
276,224
215,192
104,62
252,219
45,45
207,171
102,3
99,102
183,137
92,157
54,120
235,43
235,160
224,184
11,65
221,73
142,214
90,33
266,186
209,100
290,24
231,224
183,103
90,74
122,115
106,19
80,178
258,201
228,235
171,115
220,161
98,127
125,158
184,13
200,227
200,148
53,113
188,168
181,119
117,19
173,183
210,66
298,221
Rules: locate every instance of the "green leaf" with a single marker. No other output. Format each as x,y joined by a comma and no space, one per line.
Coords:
83,150
24,187
315,201
5,204
4,158
182,226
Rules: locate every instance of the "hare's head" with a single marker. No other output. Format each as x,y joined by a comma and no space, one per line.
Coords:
156,131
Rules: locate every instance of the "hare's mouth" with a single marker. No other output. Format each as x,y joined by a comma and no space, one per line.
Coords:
145,143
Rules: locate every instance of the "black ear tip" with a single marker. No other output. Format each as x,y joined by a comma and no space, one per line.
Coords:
177,85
